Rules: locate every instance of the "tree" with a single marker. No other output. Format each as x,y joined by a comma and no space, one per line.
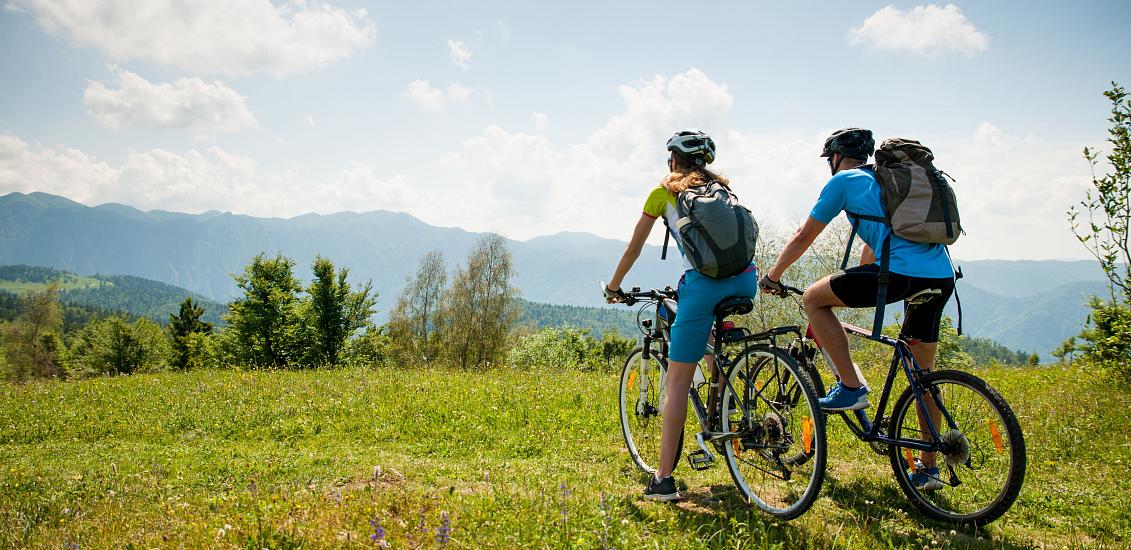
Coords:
34,345
115,346
416,313
334,312
479,308
185,323
265,321
1108,229
1107,236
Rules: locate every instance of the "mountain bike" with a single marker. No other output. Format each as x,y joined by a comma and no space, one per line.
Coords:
971,427
757,408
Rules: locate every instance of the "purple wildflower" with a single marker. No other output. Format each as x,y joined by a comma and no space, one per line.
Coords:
71,546
378,535
444,531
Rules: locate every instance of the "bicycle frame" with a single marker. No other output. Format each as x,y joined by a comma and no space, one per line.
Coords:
658,329
902,360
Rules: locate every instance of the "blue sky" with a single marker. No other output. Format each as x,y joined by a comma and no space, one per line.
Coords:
533,118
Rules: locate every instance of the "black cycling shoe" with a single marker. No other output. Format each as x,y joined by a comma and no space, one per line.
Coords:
663,490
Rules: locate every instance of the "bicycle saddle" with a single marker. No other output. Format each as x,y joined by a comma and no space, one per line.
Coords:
923,296
672,308
735,305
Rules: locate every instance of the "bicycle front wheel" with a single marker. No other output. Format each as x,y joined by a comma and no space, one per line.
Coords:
776,452
641,409
983,467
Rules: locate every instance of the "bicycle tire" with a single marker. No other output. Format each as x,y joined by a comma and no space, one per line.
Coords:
778,461
991,477
641,420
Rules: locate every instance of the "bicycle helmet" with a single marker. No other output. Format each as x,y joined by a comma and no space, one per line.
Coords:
855,143
693,144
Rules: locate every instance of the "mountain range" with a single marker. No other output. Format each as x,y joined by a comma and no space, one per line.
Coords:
1028,305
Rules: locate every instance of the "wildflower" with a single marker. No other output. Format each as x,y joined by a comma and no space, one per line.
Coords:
378,536
71,546
444,531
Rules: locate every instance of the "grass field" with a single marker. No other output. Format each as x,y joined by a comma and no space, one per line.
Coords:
494,459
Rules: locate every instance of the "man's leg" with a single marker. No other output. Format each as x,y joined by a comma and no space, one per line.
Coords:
819,301
925,354
675,414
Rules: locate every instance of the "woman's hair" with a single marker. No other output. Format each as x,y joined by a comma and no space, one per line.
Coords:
687,174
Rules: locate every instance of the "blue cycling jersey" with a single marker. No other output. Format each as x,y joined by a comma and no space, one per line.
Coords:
858,192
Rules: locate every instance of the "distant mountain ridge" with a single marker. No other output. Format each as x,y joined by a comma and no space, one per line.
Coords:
1029,305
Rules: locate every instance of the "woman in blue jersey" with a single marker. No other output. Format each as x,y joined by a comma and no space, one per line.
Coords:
691,152
914,268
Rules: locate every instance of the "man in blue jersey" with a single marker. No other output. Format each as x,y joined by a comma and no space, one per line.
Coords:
853,189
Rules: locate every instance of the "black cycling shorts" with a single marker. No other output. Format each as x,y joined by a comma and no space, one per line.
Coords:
857,287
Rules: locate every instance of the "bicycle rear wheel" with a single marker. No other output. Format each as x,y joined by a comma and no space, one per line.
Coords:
641,411
983,472
777,455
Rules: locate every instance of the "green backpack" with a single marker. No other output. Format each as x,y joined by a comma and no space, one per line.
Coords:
919,205
718,233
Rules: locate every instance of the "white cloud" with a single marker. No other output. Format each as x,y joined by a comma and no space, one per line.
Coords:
539,120
1013,189
527,187
231,37
310,120
196,181
429,98
929,30
460,54
188,103
504,30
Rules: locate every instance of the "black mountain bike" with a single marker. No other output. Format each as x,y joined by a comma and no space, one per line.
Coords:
981,450
764,420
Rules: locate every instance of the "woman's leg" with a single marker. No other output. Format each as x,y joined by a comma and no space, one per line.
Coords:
675,414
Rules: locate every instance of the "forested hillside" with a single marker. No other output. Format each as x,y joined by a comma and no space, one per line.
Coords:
87,297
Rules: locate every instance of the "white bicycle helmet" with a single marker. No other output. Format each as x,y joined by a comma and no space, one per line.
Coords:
693,144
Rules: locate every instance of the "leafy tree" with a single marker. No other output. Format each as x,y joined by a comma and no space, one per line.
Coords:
414,318
187,322
373,347
1108,229
1106,234
479,307
33,341
334,312
265,322
115,346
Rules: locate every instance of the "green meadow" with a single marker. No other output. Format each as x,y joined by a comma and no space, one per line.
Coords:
500,458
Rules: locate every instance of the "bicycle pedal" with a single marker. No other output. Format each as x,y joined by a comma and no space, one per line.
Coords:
700,460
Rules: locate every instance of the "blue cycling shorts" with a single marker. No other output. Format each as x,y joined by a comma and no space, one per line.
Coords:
698,296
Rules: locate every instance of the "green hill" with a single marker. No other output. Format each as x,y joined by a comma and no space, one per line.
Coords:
134,296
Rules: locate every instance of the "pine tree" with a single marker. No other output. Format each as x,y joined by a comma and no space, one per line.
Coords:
186,322
334,312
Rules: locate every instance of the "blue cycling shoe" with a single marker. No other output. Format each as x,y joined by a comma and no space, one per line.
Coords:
926,479
843,399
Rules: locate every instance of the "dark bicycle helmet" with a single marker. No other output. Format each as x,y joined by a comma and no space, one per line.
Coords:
693,144
855,143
